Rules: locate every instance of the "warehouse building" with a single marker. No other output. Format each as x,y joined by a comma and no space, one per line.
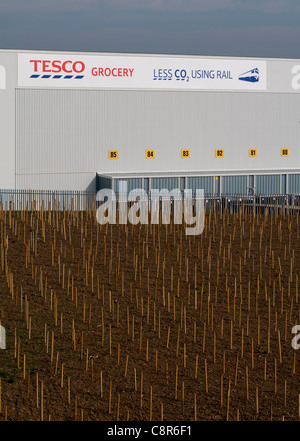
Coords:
84,121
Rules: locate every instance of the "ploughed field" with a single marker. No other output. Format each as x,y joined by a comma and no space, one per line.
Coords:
142,322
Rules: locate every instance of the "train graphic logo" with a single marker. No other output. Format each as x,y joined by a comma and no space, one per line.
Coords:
252,76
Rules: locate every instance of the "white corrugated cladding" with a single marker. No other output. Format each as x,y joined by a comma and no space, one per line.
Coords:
57,133
8,83
71,131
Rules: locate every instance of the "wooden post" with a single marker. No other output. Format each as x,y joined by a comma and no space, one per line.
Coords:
37,390
247,384
150,411
118,407
256,399
205,371
141,390
109,397
42,400
228,400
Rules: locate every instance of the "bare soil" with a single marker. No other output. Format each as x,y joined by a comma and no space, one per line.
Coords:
115,322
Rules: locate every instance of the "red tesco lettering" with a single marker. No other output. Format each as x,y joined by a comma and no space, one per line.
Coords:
57,66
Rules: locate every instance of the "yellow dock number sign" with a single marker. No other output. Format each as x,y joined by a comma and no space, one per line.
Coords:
252,152
284,152
113,154
185,153
219,153
150,154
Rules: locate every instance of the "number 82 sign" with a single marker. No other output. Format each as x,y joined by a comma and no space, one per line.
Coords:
219,153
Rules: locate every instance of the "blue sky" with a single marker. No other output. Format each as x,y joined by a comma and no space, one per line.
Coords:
265,28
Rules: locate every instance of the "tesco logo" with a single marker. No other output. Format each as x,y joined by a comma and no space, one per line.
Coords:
61,69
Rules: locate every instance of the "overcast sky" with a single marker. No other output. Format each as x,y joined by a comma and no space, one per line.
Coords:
262,28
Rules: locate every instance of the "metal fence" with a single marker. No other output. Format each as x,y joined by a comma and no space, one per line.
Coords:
83,200
47,200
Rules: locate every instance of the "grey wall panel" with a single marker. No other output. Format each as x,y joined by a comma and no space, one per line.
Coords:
147,184
201,182
71,131
182,183
103,182
267,184
283,184
294,183
132,183
169,183
234,185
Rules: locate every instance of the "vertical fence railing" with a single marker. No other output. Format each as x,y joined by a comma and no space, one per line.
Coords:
46,200
83,200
